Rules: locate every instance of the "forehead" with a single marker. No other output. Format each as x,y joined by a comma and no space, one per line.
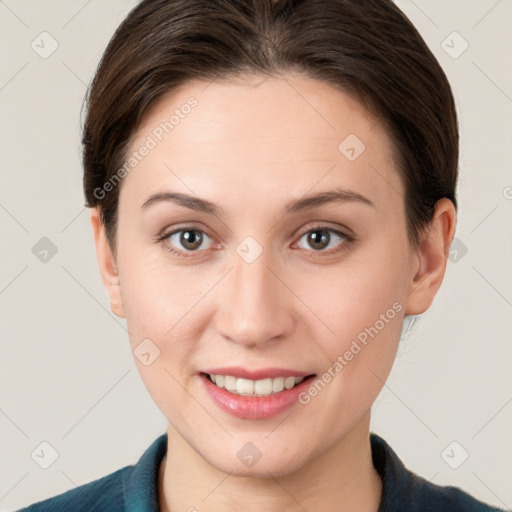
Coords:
261,135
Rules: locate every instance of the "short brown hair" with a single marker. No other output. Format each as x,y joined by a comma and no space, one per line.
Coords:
367,48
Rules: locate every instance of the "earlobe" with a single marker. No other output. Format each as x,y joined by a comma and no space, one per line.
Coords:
106,263
432,257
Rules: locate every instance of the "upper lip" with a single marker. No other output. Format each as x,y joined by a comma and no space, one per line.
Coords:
256,374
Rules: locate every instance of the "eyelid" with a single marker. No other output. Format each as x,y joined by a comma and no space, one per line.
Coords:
326,225
168,230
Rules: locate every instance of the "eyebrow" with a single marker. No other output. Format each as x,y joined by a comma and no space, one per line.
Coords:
338,195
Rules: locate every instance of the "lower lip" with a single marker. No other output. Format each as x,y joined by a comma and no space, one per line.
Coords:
254,407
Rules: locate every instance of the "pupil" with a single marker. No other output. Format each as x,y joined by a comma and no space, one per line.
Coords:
319,238
191,239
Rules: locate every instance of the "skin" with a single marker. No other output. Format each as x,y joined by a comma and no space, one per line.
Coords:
251,146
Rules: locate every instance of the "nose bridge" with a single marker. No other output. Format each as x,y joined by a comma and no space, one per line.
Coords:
252,308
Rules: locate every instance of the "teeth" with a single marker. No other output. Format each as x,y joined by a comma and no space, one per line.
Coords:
263,387
244,386
278,384
229,382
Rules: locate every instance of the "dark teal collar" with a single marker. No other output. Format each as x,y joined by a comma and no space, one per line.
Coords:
140,487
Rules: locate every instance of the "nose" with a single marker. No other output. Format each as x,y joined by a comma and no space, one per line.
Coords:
256,308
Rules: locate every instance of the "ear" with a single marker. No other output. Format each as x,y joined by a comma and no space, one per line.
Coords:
432,257
106,263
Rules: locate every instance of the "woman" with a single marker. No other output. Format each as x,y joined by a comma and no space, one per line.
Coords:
272,193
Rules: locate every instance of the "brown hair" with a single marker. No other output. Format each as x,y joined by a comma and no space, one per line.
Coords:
367,48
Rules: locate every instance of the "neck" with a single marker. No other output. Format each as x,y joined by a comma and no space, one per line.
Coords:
342,479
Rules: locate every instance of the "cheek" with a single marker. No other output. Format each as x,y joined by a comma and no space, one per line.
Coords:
165,313
360,309
162,306
352,296
365,311
158,296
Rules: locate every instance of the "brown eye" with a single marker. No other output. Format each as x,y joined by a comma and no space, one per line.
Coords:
321,238
191,239
318,239
187,240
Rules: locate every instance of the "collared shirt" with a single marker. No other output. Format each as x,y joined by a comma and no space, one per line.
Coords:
135,488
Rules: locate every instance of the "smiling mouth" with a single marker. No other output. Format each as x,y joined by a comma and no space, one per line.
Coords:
248,387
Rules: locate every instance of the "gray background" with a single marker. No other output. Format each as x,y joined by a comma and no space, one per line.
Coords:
67,376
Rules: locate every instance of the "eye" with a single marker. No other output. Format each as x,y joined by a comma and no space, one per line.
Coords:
321,238
185,240
188,240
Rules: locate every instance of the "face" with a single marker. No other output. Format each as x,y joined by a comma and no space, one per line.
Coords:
260,281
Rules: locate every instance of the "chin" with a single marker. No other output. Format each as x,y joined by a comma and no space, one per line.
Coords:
264,462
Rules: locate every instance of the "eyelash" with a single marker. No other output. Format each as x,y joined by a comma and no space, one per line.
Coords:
347,240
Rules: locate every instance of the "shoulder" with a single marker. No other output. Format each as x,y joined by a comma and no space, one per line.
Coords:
129,489
405,491
429,496
105,493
